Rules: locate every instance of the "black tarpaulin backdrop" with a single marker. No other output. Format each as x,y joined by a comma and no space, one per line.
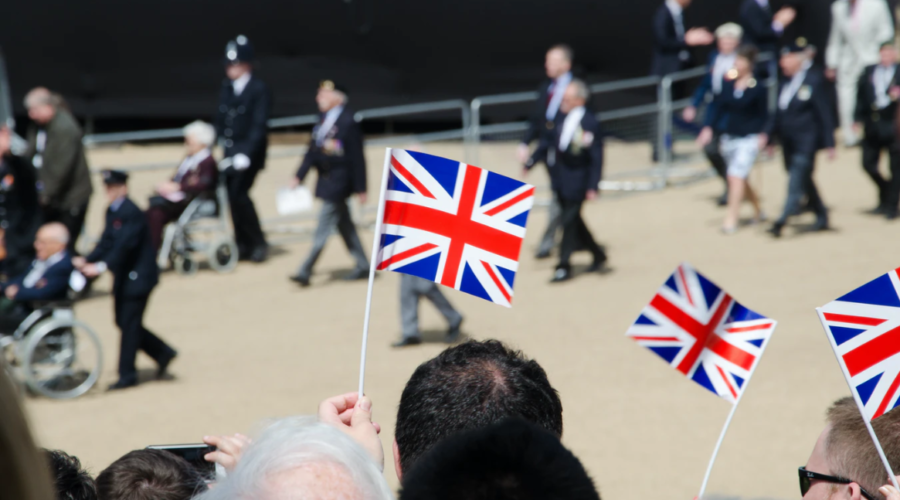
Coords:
162,58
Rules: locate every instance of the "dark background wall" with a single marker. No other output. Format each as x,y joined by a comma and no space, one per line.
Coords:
161,59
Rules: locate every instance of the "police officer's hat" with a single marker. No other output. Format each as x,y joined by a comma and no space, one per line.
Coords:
239,50
333,85
114,177
801,44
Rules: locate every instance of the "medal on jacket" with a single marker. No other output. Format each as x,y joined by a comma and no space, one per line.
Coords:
732,74
117,224
804,93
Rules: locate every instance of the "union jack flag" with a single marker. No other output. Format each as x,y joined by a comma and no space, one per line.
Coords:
864,329
704,333
454,224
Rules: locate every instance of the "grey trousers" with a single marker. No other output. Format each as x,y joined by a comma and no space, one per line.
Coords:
413,287
335,215
554,225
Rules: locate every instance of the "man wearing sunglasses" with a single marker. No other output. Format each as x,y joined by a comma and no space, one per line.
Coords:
844,463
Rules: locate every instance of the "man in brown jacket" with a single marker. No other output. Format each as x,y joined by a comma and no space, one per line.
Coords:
55,149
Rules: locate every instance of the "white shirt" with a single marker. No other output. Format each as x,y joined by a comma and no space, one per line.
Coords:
883,76
722,65
570,125
791,89
558,88
39,267
40,143
241,83
331,116
676,10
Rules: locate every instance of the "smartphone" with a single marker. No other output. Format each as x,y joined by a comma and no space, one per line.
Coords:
193,454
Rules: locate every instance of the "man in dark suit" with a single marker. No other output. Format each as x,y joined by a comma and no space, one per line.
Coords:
876,108
558,65
46,279
56,150
125,251
20,214
671,41
574,155
804,124
762,28
241,124
336,152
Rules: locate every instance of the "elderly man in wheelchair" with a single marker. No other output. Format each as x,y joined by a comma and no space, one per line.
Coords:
193,193
39,336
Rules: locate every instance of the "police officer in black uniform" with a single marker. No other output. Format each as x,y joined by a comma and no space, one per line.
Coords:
19,209
804,124
876,109
244,107
336,152
125,250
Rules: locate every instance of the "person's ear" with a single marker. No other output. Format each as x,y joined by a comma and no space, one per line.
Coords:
854,492
397,466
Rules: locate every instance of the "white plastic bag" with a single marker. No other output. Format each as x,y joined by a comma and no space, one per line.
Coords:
293,201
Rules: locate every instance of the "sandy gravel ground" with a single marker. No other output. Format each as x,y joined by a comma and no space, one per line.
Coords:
252,345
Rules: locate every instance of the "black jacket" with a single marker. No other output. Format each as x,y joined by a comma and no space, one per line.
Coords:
19,212
64,174
241,121
740,114
879,123
667,47
538,124
339,160
807,124
757,24
126,249
580,167
53,285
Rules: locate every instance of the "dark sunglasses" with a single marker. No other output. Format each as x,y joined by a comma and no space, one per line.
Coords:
806,478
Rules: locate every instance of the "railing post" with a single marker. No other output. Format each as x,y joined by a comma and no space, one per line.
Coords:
664,128
475,130
467,127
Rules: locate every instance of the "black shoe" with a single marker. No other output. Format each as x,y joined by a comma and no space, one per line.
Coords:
891,215
561,274
821,225
259,254
453,333
598,265
407,341
543,254
723,200
243,253
879,210
161,372
122,384
357,274
300,280
776,228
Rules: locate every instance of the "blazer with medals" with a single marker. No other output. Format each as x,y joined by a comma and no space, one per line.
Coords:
579,166
53,283
538,125
338,158
878,122
808,121
126,249
63,169
668,47
740,113
241,121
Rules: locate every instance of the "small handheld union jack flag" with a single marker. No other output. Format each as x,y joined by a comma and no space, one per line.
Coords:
704,333
864,329
454,224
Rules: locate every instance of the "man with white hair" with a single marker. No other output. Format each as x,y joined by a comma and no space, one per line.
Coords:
46,279
300,458
196,176
56,150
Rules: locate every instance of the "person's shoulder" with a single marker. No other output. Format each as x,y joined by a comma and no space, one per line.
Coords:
129,209
257,84
347,116
589,121
208,162
65,122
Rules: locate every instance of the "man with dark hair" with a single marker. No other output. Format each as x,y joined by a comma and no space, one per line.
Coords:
470,386
844,463
509,460
71,481
149,475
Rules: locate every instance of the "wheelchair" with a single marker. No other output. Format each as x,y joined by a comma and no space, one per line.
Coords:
54,354
203,215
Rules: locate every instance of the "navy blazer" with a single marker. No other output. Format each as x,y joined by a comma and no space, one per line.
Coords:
704,93
878,122
340,161
20,212
53,285
126,249
757,24
807,124
242,121
666,44
537,125
577,169
744,114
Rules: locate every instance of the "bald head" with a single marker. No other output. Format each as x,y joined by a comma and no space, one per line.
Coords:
51,239
41,105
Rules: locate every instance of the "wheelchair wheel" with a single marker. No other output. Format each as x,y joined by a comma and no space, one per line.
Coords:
223,254
62,357
185,265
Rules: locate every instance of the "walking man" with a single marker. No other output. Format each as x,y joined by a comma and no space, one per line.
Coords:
412,288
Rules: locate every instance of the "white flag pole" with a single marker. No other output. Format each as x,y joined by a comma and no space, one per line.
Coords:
373,263
734,408
859,403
